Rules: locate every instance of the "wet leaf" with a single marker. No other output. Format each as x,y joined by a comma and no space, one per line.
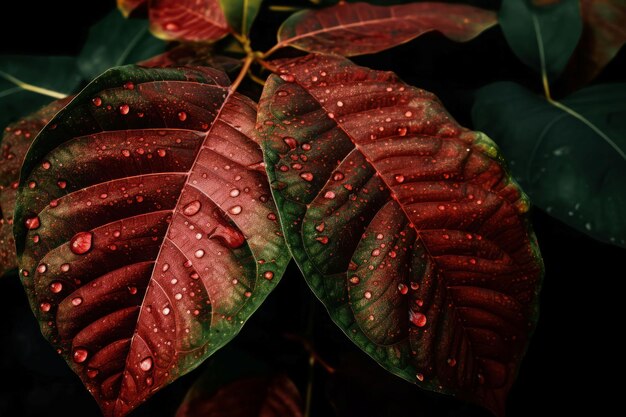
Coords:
116,41
532,27
144,240
193,55
573,168
187,20
604,33
248,397
359,28
240,14
16,140
127,7
57,75
405,225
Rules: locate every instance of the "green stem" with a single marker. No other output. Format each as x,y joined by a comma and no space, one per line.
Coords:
29,87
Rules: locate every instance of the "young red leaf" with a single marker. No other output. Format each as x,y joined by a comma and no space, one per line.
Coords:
145,229
359,28
405,224
127,7
604,33
249,397
187,20
15,143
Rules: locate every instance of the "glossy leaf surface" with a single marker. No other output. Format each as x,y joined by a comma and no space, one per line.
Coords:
115,41
187,20
534,27
240,14
16,140
127,7
604,33
192,55
573,166
248,397
145,240
405,225
359,28
57,75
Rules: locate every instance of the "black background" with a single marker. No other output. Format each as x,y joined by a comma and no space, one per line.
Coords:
572,356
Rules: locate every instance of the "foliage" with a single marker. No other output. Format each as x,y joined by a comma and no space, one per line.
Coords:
152,211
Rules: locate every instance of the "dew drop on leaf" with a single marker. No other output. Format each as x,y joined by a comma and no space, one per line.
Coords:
56,287
80,355
32,223
192,208
146,363
124,109
81,243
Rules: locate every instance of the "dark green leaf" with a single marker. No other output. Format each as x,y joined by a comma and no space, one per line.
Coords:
56,74
240,13
532,28
116,41
573,165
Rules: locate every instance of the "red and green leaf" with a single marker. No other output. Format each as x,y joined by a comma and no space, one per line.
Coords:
187,20
359,28
405,224
192,55
248,397
15,142
145,229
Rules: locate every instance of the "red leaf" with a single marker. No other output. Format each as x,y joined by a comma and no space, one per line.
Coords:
187,20
251,397
15,143
359,28
604,33
144,228
405,224
192,55
127,7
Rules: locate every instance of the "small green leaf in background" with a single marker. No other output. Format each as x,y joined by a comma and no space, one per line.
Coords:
572,164
240,14
115,41
28,83
535,26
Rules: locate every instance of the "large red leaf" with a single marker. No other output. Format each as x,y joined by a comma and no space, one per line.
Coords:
405,224
187,20
15,143
145,230
604,33
359,28
189,54
248,397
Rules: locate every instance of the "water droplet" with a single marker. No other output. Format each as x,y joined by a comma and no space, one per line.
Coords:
282,93
56,287
199,253
408,113
367,295
32,223
291,142
97,101
288,78
126,152
62,184
32,185
306,147
161,152
271,216
235,210
376,252
192,208
322,239
42,268
80,355
414,286
187,264
81,243
420,377
392,254
355,280
417,319
340,104
45,307
166,311
65,267
320,227
77,301
178,296
92,373
402,131
441,207
124,109
132,290
331,115
46,165
234,192
182,116
403,289
329,195
268,275
307,176
451,362
129,86
146,364
193,275
399,178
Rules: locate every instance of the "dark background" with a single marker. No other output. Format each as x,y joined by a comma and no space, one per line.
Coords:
573,357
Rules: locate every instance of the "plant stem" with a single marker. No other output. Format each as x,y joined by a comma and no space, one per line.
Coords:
272,50
33,88
309,387
242,73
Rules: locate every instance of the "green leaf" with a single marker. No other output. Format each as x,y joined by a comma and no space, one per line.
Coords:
115,41
532,27
240,14
28,83
570,157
